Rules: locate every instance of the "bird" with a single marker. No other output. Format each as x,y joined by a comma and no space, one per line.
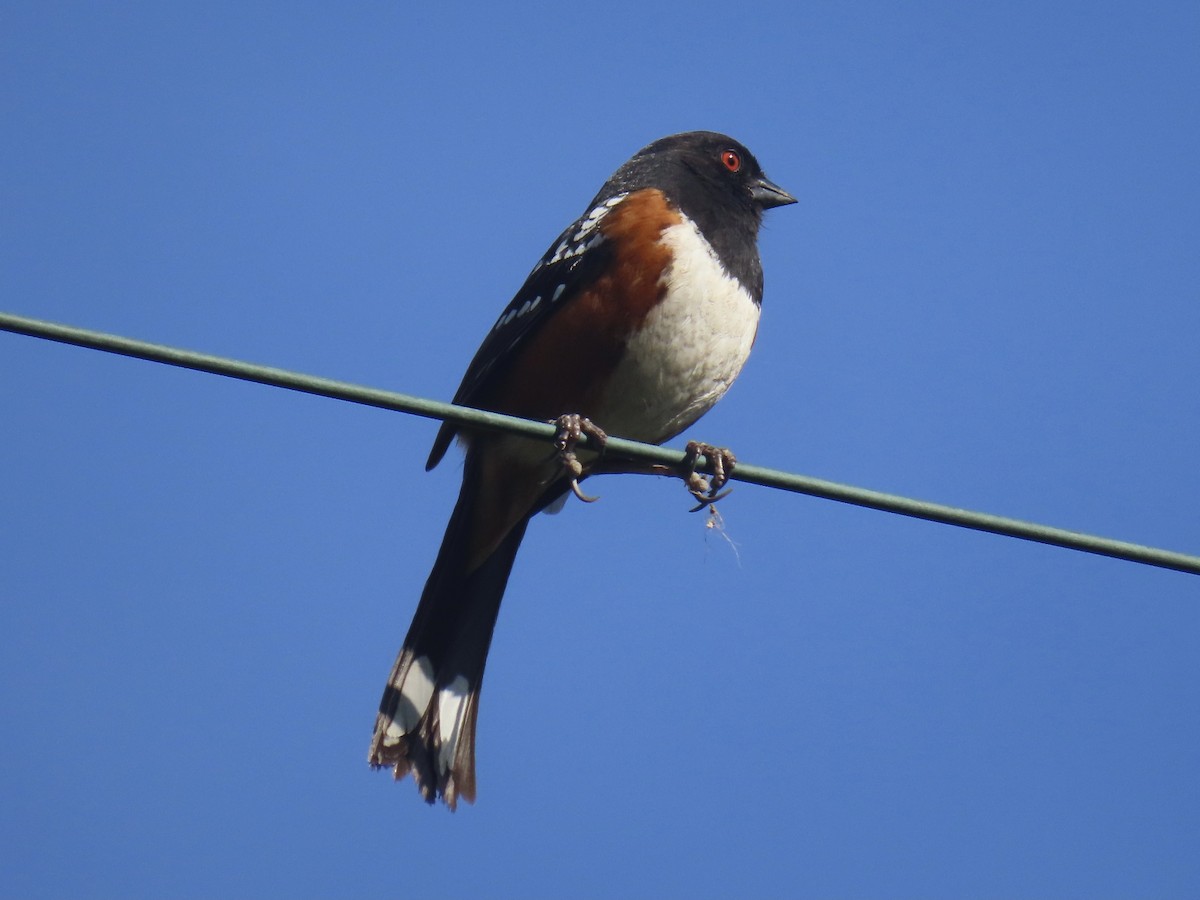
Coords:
637,318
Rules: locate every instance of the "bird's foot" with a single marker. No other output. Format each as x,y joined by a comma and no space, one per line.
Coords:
707,489
571,430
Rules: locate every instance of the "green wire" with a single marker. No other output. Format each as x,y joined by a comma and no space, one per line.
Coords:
616,447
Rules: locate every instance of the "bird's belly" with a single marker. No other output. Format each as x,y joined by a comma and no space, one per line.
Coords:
691,347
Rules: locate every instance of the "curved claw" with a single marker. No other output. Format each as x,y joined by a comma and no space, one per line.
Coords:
707,490
706,501
571,429
578,492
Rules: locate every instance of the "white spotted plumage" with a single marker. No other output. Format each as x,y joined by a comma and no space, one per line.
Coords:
579,239
661,333
580,242
687,353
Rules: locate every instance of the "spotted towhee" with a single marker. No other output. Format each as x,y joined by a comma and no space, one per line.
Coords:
639,317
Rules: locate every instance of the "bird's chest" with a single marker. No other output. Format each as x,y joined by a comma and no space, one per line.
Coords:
691,346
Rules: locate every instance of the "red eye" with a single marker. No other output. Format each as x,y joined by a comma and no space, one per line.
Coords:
732,160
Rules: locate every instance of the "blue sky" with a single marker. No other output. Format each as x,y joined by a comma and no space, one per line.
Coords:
987,296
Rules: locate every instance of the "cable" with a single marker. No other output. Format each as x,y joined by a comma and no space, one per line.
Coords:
432,409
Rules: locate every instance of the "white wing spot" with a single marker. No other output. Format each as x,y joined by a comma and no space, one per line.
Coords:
529,305
559,252
572,246
558,292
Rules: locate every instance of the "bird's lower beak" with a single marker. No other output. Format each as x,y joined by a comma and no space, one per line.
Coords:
768,194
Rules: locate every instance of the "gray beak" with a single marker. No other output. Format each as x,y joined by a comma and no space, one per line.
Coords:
768,194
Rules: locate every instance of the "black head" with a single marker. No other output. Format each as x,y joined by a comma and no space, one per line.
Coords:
718,184
700,169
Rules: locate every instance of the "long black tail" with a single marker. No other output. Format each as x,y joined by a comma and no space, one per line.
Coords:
426,721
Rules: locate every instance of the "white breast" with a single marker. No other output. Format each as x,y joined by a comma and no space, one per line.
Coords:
691,348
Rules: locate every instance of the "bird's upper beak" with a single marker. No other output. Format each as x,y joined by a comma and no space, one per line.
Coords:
768,194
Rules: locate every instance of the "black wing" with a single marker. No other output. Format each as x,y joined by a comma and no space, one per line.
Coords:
571,263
